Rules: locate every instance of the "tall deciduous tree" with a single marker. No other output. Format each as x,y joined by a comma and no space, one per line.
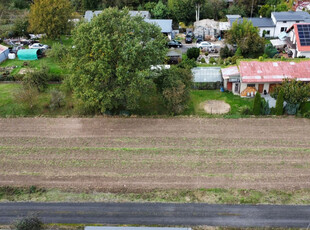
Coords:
112,59
50,17
198,4
247,38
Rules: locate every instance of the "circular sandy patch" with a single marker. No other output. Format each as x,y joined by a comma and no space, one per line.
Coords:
216,107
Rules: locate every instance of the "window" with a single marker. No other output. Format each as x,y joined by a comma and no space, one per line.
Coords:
284,21
268,32
250,85
297,21
283,29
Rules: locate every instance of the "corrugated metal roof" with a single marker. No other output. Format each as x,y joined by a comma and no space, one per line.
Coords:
291,16
257,22
230,71
132,228
88,15
207,74
259,72
164,24
3,48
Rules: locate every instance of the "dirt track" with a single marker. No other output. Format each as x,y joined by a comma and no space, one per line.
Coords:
112,154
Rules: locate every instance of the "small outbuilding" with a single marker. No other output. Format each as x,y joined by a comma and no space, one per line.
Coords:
29,54
4,52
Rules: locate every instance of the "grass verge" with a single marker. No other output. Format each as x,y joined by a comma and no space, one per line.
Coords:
212,196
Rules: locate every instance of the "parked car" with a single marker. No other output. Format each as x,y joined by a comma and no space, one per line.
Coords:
205,45
174,43
38,46
188,39
199,39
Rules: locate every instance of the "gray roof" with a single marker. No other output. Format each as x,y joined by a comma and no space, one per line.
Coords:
164,24
143,14
132,228
258,22
233,16
90,14
207,74
291,16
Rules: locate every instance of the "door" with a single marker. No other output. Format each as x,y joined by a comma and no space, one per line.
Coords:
260,88
271,87
229,86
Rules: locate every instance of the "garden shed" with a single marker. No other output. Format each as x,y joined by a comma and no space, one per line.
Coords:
29,54
4,52
207,77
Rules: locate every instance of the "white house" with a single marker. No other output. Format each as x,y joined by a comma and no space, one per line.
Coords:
299,39
278,23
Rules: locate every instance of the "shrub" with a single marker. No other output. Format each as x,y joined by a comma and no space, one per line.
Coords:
29,223
57,99
225,52
261,58
235,58
28,97
265,109
307,115
58,52
279,104
37,79
203,60
212,60
257,104
245,110
187,64
193,53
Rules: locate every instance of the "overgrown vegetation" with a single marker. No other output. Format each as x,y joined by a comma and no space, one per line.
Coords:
29,223
212,196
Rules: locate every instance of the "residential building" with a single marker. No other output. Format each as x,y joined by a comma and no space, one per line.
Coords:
278,23
253,76
264,76
298,40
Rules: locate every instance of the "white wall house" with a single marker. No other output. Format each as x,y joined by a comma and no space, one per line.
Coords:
299,39
278,23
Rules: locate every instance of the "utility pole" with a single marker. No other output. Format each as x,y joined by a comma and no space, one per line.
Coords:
252,8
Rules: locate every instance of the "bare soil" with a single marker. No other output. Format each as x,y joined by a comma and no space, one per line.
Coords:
140,154
216,107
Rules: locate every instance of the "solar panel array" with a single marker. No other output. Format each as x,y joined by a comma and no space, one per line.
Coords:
304,34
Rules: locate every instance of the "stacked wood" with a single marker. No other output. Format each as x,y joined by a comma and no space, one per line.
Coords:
248,91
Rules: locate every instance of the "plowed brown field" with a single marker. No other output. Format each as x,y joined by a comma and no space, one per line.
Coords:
138,154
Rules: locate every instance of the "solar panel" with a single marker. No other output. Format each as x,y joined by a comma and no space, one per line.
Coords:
304,34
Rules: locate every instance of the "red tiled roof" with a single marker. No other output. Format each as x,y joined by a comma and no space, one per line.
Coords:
273,72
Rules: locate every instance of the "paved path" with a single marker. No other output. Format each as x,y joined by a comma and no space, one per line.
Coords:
161,214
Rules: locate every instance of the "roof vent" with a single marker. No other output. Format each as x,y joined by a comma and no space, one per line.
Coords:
275,64
292,63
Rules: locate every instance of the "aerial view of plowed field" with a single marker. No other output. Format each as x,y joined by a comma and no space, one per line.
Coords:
140,154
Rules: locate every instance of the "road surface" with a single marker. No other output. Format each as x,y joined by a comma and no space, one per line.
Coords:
167,214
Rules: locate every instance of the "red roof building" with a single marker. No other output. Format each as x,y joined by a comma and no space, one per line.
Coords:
264,76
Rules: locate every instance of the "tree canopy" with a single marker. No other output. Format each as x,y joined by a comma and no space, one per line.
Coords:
50,17
112,59
247,38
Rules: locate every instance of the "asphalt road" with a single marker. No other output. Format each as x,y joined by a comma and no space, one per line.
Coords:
161,214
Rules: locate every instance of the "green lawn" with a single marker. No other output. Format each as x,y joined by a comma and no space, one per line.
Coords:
8,106
199,96
55,68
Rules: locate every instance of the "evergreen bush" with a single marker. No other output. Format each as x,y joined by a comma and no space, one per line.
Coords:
257,104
